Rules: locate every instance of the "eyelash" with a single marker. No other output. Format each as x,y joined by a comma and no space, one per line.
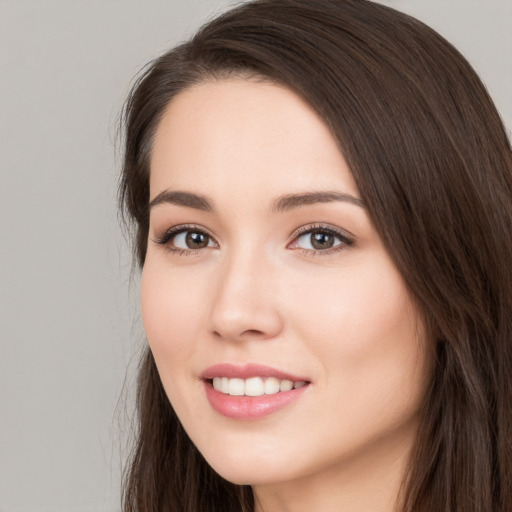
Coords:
345,239
176,230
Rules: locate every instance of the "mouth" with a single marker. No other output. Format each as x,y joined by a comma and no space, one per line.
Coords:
250,392
254,386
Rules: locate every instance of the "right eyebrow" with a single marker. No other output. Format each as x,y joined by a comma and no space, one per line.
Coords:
183,199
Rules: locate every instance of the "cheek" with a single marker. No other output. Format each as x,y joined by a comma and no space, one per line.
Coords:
368,340
362,325
170,313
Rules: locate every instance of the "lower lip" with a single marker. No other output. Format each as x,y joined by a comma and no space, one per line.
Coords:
250,407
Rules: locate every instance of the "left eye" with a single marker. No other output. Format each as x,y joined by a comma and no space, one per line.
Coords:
318,240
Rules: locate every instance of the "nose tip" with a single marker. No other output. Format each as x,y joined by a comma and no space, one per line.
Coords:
242,325
245,306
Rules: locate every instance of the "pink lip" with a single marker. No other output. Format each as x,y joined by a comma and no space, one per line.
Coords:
249,407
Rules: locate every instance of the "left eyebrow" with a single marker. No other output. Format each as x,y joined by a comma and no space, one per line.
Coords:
291,201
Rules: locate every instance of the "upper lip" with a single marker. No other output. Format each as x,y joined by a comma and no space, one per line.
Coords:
247,371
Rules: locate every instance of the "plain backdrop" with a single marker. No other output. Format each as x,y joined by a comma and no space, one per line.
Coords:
68,310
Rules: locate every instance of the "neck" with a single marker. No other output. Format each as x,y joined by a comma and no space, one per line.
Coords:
368,480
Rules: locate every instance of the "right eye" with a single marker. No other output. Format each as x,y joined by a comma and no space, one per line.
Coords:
186,239
192,240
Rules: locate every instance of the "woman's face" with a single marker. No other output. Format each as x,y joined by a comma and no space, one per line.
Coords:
264,273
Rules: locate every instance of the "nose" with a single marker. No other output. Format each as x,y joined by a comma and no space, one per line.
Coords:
244,305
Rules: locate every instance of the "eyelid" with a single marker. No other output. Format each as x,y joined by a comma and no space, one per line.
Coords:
168,234
347,238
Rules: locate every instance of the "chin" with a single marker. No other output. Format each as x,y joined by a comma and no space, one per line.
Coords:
239,474
250,468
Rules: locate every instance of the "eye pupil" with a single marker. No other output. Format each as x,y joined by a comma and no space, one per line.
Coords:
195,240
322,240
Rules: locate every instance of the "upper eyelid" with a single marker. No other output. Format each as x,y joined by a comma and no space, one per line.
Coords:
346,238
180,228
307,228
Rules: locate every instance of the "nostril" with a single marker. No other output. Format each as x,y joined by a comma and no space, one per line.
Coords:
247,334
253,332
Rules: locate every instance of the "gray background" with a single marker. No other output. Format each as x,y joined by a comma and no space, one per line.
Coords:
68,313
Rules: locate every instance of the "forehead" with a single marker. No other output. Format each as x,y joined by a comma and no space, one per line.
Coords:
258,136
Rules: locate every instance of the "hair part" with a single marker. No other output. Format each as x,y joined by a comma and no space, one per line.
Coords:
433,164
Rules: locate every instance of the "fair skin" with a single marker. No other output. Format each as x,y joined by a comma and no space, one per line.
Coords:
301,287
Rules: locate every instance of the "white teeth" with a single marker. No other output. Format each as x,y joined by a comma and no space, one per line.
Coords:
255,386
236,387
286,385
271,386
221,384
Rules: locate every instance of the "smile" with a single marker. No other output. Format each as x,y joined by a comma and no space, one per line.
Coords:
254,386
251,391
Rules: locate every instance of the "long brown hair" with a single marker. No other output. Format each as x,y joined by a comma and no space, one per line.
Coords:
433,164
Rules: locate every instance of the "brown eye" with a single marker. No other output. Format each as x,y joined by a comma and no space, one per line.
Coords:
321,239
188,239
196,240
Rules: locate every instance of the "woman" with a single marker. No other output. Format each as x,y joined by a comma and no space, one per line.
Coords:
321,191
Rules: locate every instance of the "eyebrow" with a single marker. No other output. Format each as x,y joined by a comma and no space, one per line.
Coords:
183,199
292,201
281,204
